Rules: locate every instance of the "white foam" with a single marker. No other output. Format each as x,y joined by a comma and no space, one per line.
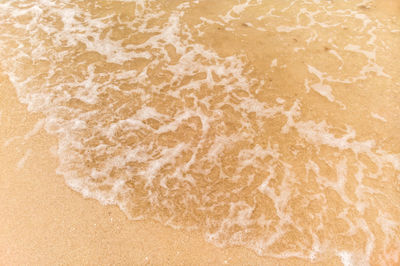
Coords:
274,62
379,117
109,151
345,257
23,160
35,130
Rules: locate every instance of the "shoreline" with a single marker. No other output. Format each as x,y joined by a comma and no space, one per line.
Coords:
226,121
48,223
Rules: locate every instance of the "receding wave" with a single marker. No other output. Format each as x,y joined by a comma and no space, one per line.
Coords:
266,124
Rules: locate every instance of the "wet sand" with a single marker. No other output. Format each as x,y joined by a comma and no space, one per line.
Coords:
347,129
43,222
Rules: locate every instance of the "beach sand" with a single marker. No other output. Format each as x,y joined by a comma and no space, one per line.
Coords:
44,222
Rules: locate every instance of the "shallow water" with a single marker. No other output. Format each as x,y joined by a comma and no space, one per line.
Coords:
267,124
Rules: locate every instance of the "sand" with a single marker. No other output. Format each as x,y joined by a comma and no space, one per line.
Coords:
43,222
